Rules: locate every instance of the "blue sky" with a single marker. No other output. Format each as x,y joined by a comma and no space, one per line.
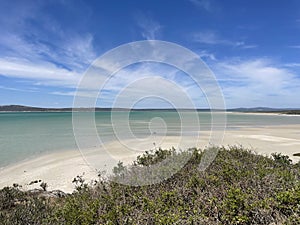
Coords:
252,47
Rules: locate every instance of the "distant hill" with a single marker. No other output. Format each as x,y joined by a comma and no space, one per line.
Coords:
261,109
291,111
21,108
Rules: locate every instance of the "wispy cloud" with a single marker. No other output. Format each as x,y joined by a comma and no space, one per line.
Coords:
150,29
16,89
203,4
257,82
206,54
212,38
292,65
142,80
295,46
38,71
209,37
245,46
46,53
258,71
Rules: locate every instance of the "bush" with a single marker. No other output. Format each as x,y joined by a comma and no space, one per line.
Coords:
281,159
239,187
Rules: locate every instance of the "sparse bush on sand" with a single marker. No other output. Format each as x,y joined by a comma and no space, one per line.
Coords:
239,187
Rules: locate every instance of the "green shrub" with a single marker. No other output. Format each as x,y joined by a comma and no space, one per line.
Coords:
281,159
239,187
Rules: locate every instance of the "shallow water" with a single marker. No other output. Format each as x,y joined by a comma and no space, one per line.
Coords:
27,134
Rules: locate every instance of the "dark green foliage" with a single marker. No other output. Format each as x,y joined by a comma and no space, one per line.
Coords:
153,156
240,187
281,159
119,168
44,186
18,207
80,184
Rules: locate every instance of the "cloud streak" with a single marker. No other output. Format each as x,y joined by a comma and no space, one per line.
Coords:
58,58
257,82
212,38
295,46
203,4
38,71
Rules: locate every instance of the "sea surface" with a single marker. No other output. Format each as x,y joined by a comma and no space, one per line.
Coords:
25,135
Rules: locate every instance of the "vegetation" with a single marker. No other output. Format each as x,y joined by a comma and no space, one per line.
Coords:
296,154
240,187
292,112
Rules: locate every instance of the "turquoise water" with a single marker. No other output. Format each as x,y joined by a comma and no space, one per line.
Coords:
27,134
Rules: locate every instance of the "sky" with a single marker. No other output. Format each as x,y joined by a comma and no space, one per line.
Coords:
252,48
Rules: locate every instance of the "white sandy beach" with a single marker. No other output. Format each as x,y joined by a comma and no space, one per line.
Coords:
59,169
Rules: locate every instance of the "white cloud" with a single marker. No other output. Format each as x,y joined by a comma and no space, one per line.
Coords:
16,89
208,37
205,4
38,71
151,29
258,70
47,55
292,65
212,38
74,51
257,82
248,46
141,80
205,54
295,46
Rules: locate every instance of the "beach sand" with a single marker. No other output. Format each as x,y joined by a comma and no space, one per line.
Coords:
60,168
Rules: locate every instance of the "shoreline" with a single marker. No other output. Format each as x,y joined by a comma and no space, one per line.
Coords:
280,113
58,169
263,113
